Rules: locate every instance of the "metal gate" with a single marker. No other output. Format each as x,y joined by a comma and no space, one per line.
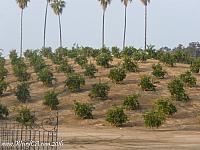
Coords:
42,135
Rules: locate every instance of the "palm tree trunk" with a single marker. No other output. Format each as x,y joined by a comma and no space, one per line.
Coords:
103,29
145,30
45,23
125,21
60,30
21,40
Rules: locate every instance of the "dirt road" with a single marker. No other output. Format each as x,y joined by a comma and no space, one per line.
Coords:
128,138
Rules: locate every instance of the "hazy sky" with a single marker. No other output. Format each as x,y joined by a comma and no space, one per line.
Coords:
170,22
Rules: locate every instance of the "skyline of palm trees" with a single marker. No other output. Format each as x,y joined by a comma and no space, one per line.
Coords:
22,5
58,6
125,2
104,4
145,2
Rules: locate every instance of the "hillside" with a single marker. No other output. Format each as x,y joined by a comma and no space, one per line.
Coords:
186,116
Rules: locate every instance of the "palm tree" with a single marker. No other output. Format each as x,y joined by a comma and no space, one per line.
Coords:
104,4
45,21
125,20
145,2
57,6
22,5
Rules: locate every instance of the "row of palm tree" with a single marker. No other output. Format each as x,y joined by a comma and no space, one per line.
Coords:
105,3
58,6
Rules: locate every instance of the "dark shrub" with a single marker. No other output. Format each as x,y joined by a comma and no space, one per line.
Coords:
51,100
158,71
117,75
176,88
130,65
3,111
25,117
90,70
146,83
154,119
22,92
99,90
46,76
165,106
83,110
103,60
74,82
131,102
188,79
116,116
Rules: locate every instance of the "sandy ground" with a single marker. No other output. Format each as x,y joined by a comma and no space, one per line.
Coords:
128,139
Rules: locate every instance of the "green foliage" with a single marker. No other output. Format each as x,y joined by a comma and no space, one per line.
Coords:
90,70
95,53
25,117
3,111
37,62
83,110
158,71
154,118
57,59
128,51
195,66
140,56
20,71
81,60
165,106
3,72
151,51
22,92
146,83
116,116
61,52
2,60
105,50
47,52
51,100
46,76
177,91
65,68
99,90
72,53
74,82
168,59
117,75
129,65
13,57
131,102
182,57
103,60
3,87
188,79
116,52
28,53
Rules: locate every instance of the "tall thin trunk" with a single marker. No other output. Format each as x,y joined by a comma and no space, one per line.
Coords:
45,24
145,30
59,19
21,42
103,29
125,21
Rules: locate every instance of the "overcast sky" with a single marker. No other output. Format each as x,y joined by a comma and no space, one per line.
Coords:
170,22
